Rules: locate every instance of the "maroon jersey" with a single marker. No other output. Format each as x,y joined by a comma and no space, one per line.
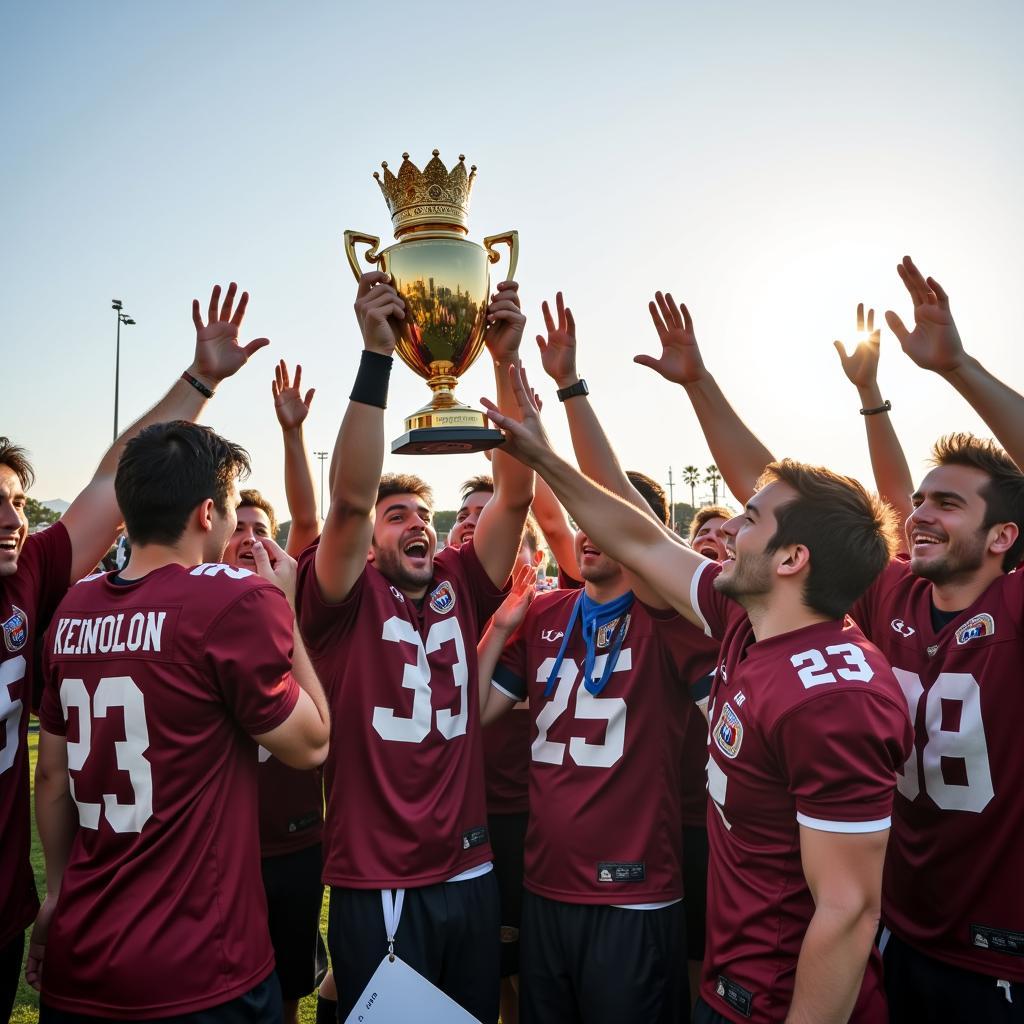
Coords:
507,762
291,806
952,884
27,600
158,685
604,779
807,728
407,807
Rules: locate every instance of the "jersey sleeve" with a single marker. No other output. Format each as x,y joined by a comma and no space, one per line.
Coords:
840,753
321,621
47,555
248,651
486,595
868,610
715,610
510,672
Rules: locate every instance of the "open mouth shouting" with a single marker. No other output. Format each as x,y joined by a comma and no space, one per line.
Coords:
925,542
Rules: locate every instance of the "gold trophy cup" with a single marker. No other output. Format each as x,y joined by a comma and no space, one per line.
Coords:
445,282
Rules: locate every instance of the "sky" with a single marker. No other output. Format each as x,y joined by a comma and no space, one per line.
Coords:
767,163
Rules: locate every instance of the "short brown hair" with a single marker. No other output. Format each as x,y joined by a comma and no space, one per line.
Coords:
531,534
251,498
405,483
482,482
16,459
653,493
705,514
1004,492
850,533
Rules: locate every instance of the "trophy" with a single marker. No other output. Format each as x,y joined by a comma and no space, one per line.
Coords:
445,282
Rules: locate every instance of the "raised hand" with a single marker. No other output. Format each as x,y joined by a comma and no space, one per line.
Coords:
680,360
505,323
861,365
290,406
558,352
524,437
276,566
218,354
934,343
510,615
380,311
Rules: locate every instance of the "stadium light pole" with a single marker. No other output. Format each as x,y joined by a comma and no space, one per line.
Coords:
122,318
322,456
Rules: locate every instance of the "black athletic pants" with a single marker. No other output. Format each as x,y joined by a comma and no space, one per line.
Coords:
704,1014
10,971
922,990
602,965
508,843
448,932
260,1005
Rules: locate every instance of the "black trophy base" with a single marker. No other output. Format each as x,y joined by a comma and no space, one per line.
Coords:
446,441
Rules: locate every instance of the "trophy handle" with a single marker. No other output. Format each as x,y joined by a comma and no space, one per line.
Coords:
354,238
509,238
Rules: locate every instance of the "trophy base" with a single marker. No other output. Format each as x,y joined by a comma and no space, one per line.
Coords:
446,441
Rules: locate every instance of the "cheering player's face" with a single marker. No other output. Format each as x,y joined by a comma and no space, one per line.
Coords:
468,515
13,524
595,566
709,540
947,539
747,571
251,525
404,543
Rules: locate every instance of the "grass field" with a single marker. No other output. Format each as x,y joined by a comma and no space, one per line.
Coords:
26,1005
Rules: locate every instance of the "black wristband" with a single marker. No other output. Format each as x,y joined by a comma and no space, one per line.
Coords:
371,386
885,407
206,392
573,390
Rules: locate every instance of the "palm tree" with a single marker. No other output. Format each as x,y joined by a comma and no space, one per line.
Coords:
712,476
691,474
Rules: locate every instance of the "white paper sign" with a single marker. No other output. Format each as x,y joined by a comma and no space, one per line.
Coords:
396,994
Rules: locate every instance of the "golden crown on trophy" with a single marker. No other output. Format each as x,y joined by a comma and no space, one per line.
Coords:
433,196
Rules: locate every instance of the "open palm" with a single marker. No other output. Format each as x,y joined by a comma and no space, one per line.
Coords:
934,343
680,360
218,353
291,408
861,365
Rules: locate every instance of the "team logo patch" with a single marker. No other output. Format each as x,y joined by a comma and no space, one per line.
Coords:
899,626
975,628
607,631
728,732
442,600
398,595
16,629
551,635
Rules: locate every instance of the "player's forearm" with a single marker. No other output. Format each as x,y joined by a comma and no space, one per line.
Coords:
893,481
996,403
57,821
513,481
738,454
831,965
357,461
488,652
305,675
299,491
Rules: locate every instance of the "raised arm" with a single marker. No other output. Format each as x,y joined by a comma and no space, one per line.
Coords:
292,409
736,450
594,453
359,450
888,463
554,525
499,532
93,517
506,620
616,527
934,344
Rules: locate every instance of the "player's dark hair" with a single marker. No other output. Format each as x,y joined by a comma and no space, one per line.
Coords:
653,493
166,471
705,514
849,533
1004,492
251,498
15,458
481,482
405,483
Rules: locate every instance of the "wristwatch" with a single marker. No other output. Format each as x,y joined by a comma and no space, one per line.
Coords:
573,390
